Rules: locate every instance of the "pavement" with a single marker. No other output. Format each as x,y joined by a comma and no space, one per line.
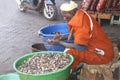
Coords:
18,32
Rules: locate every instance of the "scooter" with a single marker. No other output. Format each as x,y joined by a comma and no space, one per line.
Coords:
48,7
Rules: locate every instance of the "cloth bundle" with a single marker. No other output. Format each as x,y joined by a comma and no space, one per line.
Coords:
100,5
113,5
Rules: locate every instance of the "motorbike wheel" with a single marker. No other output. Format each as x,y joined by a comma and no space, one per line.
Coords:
22,6
51,13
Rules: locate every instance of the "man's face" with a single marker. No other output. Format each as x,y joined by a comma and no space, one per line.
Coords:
66,15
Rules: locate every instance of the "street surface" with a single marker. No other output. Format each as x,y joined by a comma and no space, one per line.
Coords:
18,31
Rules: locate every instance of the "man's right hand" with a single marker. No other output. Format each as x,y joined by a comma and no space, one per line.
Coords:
53,41
57,36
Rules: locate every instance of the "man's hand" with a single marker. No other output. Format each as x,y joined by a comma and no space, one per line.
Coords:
57,36
53,41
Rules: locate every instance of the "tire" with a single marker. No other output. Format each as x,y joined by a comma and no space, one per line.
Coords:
22,6
52,12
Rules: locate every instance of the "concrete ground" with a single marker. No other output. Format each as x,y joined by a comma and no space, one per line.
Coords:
18,31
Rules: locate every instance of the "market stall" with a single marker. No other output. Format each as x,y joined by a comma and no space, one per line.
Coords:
103,9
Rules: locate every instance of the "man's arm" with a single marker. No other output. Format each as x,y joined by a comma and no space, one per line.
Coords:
72,45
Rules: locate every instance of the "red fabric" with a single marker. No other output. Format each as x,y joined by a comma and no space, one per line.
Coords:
112,5
109,4
115,5
85,4
101,5
93,5
80,25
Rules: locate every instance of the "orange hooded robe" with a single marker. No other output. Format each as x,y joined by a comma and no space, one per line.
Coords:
79,26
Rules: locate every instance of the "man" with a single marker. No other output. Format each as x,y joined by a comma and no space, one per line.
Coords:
91,45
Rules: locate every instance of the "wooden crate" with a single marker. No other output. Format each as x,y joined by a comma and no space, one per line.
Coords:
103,16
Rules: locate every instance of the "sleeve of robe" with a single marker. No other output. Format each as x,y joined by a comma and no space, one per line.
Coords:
81,28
